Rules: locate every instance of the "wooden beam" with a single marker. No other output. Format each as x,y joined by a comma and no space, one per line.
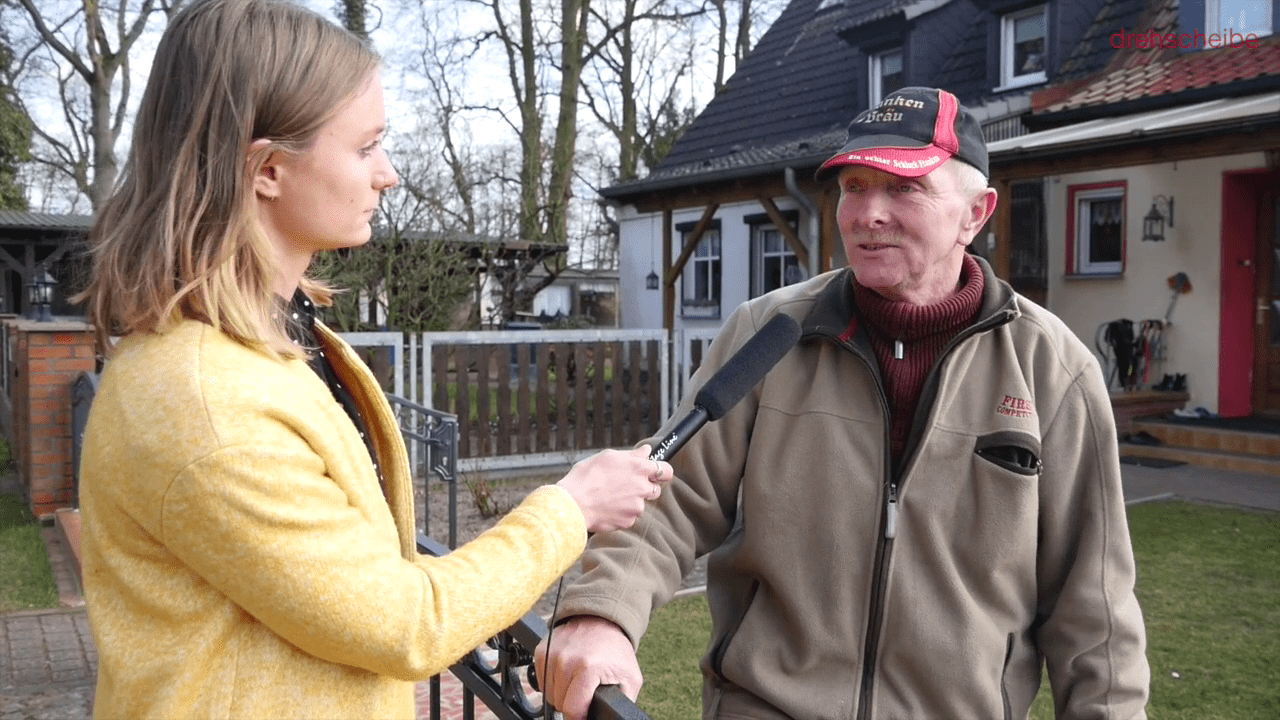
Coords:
829,201
700,194
61,250
668,288
784,227
1145,152
29,272
691,242
1002,226
11,261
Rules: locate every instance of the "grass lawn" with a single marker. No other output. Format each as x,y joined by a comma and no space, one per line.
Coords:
26,580
1209,585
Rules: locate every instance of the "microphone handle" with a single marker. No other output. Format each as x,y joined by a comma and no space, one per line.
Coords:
681,433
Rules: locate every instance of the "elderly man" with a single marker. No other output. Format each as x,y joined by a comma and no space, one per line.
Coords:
918,507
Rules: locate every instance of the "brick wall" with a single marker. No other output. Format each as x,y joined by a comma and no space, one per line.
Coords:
47,358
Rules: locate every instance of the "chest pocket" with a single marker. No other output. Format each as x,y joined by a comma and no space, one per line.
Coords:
1016,452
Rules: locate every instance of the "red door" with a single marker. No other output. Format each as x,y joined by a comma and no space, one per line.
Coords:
1266,330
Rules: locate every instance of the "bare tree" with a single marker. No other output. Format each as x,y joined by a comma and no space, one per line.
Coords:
86,49
741,19
644,52
628,61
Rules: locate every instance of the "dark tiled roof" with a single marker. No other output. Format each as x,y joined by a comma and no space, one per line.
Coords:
1094,50
789,101
1157,75
964,69
862,12
964,72
23,220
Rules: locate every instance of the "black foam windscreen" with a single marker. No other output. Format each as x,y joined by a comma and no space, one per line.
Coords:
748,366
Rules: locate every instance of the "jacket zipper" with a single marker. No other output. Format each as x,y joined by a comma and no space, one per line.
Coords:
876,615
1004,679
929,392
889,529
890,520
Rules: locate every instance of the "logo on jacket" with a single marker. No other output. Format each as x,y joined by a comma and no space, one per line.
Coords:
1016,407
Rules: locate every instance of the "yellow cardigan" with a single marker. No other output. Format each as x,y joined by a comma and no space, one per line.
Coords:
241,559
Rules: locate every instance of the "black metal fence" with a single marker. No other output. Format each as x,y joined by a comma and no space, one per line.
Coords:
491,673
495,677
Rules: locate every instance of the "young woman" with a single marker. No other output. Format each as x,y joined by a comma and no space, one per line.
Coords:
248,512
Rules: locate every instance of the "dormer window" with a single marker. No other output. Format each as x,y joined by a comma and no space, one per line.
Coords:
886,75
1239,16
1023,36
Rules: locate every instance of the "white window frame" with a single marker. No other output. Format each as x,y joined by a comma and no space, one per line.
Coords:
875,84
1084,200
1009,78
1214,22
711,268
759,234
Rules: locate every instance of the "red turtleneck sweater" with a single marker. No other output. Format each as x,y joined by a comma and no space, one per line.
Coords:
923,331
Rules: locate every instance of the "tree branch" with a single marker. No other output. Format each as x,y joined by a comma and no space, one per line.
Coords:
51,39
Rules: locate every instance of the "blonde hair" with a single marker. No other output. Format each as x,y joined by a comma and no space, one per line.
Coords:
180,238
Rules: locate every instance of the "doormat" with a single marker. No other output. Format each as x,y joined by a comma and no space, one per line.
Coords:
1150,462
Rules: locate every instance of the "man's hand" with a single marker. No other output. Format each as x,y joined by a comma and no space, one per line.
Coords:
587,652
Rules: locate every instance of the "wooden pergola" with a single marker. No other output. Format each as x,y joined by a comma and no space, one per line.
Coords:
30,242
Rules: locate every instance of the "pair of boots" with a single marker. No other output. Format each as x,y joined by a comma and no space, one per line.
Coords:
1176,383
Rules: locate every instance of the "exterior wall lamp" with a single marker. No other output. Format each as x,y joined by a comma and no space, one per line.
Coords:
40,296
1153,223
651,281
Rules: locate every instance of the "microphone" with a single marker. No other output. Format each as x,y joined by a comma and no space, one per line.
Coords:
733,381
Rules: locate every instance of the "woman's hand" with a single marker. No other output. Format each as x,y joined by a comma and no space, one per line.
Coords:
612,486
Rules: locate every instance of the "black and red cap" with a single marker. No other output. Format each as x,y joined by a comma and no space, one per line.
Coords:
911,133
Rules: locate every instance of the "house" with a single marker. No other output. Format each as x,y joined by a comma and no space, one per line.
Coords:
590,296
734,211
1149,190
1078,111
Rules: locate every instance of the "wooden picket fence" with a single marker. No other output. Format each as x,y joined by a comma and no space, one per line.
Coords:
548,397
528,397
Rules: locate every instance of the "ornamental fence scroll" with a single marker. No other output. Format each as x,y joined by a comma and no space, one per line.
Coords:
493,673
431,438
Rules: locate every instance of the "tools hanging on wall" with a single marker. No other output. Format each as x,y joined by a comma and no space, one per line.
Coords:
1130,352
1181,285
